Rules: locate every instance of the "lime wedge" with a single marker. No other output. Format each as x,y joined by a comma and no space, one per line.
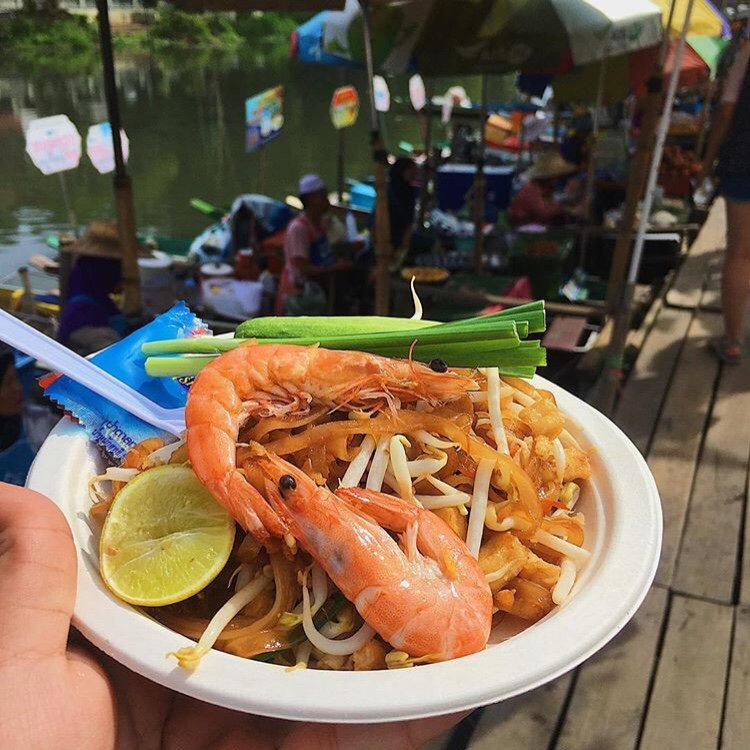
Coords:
165,538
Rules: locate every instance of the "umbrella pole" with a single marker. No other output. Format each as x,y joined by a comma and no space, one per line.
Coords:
623,313
383,250
123,188
479,183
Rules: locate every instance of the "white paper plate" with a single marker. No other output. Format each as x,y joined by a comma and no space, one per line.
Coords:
623,533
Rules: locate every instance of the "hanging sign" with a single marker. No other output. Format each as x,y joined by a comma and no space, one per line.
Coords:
101,150
381,93
54,144
264,118
417,92
344,107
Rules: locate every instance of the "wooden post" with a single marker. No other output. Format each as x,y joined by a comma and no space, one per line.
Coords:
588,193
638,171
340,169
123,189
634,190
383,249
479,182
72,218
427,165
616,349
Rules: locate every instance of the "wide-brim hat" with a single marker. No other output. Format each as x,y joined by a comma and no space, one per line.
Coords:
101,239
549,164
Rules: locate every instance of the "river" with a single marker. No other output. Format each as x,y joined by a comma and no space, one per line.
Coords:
184,116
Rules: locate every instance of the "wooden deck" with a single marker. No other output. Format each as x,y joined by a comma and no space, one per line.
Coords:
678,676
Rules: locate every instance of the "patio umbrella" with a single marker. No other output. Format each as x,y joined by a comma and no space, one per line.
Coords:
486,36
629,73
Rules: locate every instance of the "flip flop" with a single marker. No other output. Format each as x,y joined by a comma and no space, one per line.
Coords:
729,352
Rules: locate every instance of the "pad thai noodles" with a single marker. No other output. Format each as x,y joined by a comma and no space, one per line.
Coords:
389,513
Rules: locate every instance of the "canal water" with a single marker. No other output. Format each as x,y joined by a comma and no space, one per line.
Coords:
184,116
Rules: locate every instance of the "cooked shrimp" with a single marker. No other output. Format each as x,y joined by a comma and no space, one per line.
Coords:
277,379
426,595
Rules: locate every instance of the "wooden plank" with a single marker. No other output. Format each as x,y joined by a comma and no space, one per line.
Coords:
736,729
527,721
688,283
673,456
612,688
639,405
707,561
686,702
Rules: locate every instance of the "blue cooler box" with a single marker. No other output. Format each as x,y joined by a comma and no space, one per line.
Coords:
454,181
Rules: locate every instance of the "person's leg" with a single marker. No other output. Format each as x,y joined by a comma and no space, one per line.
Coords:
735,282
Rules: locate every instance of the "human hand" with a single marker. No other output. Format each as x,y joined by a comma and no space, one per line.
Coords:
58,692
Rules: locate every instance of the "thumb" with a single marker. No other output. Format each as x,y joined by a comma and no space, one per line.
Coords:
37,575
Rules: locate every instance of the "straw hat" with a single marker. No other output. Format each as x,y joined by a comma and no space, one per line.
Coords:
549,164
101,240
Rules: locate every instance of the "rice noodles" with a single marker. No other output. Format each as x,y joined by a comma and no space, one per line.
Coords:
498,466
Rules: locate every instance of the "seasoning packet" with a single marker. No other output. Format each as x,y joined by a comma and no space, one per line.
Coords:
112,428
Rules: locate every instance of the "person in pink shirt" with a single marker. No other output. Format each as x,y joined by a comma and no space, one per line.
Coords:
534,202
307,253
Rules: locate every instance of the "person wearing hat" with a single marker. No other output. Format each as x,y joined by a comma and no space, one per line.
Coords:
308,256
534,203
90,320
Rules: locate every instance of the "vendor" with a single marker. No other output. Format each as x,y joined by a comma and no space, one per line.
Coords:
90,320
534,203
308,256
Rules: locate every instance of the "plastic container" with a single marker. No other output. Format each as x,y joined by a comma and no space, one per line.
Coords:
454,181
210,271
362,197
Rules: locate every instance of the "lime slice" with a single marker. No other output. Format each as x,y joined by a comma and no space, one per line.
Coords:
165,538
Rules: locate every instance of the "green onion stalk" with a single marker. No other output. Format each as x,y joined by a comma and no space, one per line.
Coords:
495,340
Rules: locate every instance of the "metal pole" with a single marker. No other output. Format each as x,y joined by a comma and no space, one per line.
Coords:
383,249
479,182
123,188
621,326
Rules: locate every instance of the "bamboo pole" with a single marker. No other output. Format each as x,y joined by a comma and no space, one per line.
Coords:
588,193
123,187
383,249
427,165
479,181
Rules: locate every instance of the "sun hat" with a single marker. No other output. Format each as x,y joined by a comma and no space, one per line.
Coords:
311,183
101,239
549,164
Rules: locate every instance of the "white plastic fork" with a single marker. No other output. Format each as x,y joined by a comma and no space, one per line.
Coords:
23,337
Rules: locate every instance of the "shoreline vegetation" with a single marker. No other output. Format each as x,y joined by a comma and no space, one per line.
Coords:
33,36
